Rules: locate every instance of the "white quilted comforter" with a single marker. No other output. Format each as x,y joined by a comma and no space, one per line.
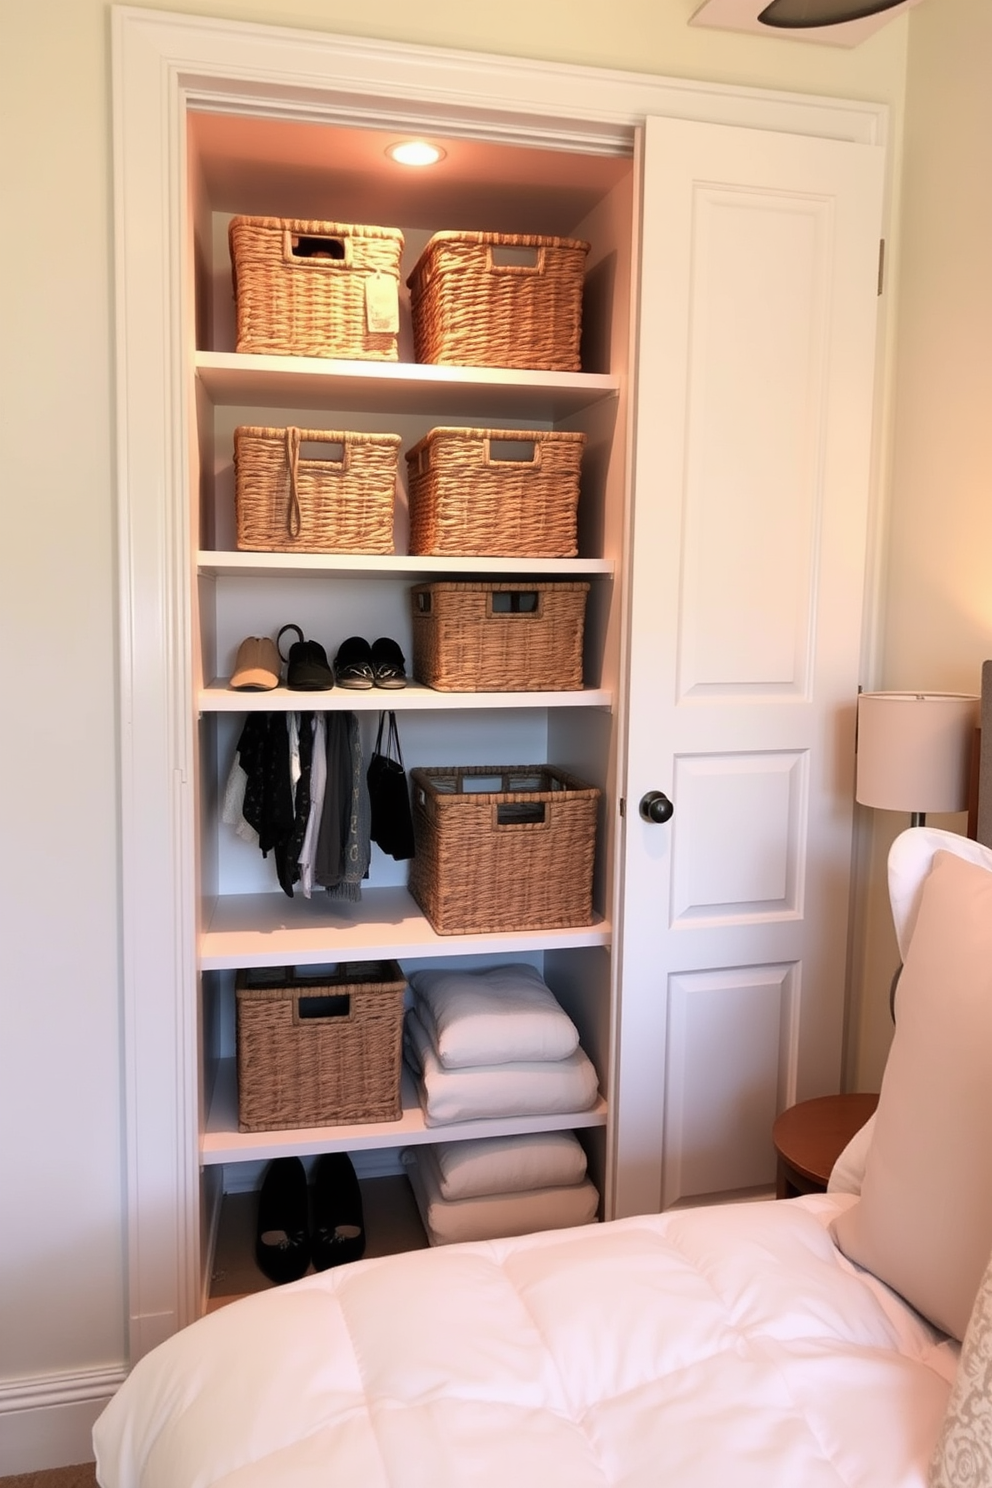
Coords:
711,1348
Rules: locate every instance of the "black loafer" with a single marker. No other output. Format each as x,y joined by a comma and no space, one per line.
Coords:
282,1239
308,669
388,664
338,1217
353,664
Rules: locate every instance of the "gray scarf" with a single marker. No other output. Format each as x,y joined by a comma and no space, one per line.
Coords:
343,844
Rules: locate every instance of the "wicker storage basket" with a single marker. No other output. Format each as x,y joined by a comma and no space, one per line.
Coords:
496,637
336,496
508,493
499,300
319,1050
323,289
516,856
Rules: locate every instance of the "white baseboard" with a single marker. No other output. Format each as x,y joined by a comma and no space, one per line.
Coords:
48,1421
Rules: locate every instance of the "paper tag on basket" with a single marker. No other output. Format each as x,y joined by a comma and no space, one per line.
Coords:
382,304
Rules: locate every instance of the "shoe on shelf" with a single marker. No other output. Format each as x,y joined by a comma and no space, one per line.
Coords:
308,669
353,664
338,1233
282,1235
257,666
388,663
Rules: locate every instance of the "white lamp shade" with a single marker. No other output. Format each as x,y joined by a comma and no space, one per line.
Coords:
914,750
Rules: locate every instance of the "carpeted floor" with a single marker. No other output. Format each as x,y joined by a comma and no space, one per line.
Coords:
82,1476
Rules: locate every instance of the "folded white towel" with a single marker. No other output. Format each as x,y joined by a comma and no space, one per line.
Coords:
495,1216
520,1089
499,1016
494,1165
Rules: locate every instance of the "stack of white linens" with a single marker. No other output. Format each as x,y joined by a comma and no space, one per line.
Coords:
493,1044
492,1187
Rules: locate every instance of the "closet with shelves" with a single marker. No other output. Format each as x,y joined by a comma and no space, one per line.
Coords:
726,391
310,171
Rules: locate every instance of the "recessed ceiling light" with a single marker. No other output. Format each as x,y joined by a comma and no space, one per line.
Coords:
415,152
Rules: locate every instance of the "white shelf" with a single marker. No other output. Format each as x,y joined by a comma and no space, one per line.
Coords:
236,379
274,930
391,566
220,698
222,1142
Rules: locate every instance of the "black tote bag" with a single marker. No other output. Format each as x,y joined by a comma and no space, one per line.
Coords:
389,794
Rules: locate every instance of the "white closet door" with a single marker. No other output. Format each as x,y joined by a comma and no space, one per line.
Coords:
752,448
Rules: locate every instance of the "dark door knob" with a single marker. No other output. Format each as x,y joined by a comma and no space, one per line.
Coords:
656,807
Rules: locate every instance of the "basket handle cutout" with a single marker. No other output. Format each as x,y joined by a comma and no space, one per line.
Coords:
520,814
311,248
424,603
513,452
526,602
515,258
337,1005
332,452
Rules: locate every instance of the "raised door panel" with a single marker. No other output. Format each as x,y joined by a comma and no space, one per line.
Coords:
755,375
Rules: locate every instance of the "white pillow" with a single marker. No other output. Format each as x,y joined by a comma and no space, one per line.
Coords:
848,1172
923,1223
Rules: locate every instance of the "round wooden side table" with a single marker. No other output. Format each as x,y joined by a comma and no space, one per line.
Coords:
809,1138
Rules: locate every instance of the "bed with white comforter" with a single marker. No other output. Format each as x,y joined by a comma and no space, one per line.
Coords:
761,1345
707,1347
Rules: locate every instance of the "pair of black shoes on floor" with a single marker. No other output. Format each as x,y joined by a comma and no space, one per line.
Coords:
295,1228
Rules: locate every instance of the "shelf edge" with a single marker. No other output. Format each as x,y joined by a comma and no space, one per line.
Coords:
226,1144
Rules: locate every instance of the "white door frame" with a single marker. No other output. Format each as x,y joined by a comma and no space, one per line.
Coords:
162,65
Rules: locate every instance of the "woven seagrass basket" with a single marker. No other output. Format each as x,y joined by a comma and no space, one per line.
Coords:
495,492
499,300
503,848
314,490
322,289
319,1050
499,637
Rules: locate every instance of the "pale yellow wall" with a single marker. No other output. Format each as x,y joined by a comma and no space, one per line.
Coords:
937,602
61,1263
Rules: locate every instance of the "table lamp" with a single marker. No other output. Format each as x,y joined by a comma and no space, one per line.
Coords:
914,751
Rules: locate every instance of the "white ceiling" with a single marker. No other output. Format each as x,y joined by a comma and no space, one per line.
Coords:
281,168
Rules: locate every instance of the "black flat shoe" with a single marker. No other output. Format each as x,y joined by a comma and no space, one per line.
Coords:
388,664
353,664
338,1217
307,669
282,1240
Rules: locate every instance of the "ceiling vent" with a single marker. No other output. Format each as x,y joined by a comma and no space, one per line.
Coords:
836,22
